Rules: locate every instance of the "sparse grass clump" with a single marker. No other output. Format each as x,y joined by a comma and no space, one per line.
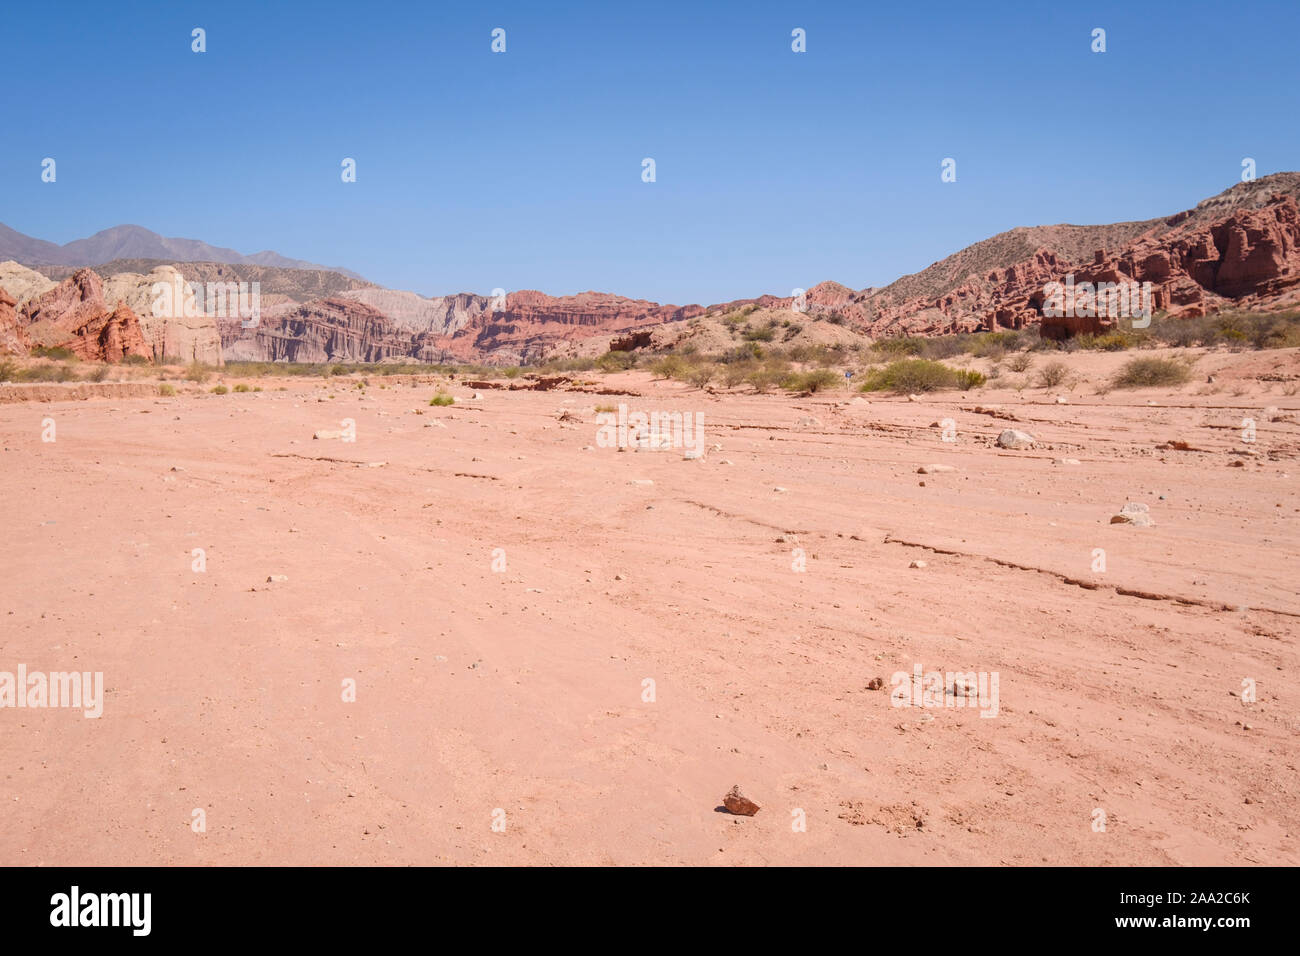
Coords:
441,400
241,387
1053,374
1152,372
219,390
197,372
1020,362
166,391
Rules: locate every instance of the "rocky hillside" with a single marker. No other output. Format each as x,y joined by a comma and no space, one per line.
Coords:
1237,250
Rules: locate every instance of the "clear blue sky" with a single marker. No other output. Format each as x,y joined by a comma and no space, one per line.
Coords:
523,170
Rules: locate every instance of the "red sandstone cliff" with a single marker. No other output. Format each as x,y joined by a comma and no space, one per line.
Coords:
73,315
13,336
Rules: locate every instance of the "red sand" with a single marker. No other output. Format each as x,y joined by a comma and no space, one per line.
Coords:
522,690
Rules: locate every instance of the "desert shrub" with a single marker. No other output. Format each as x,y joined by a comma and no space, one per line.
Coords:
763,333
45,373
583,364
1020,362
1109,341
1279,335
670,366
616,361
701,375
99,374
815,381
136,360
890,348
1053,374
968,378
910,375
945,346
995,371
218,390
735,373
442,399
197,372
241,387
7,370
606,408
166,391
1148,372
511,372
57,353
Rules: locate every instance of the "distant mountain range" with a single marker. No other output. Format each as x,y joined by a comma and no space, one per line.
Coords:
136,242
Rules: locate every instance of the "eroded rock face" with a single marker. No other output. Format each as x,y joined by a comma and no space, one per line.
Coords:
327,330
176,335
1240,249
74,315
371,325
532,323
13,337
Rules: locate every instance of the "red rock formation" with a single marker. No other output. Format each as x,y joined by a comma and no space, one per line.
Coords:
1239,249
532,323
13,337
1215,257
326,330
73,315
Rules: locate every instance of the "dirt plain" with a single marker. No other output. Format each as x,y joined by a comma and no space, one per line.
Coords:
518,696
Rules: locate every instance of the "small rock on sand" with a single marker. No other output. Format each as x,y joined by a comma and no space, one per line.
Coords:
1134,513
934,469
276,578
739,804
918,564
1012,438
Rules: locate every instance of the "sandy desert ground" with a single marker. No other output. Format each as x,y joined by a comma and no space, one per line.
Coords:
518,695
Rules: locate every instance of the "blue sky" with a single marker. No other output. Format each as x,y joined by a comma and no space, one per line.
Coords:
523,170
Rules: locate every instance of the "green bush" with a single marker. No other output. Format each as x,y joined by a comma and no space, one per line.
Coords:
910,375
616,361
969,378
442,399
812,382
1148,372
670,366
